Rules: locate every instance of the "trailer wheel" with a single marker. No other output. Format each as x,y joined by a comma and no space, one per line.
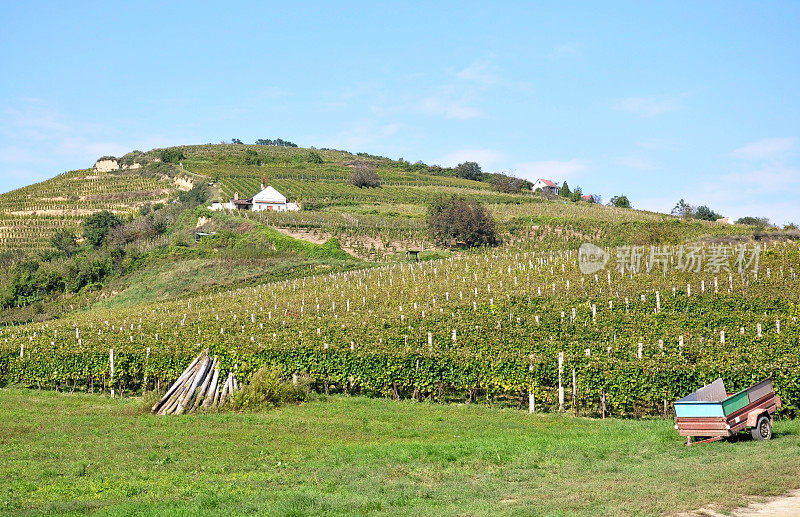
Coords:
763,428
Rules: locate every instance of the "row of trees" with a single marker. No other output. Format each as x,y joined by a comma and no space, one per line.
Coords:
687,211
278,142
502,182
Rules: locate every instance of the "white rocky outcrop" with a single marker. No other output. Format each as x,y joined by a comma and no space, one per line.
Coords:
106,165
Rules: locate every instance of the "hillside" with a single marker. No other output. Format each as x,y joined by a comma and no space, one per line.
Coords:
328,291
157,246
371,222
30,216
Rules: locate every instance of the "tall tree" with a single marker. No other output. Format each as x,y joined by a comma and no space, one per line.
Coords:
706,214
683,209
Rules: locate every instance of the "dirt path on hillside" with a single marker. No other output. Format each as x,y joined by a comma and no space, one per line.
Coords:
784,506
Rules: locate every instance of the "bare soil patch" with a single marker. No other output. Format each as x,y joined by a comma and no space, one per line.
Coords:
787,505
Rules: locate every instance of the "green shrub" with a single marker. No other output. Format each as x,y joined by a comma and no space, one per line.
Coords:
197,195
456,220
97,226
365,177
469,171
266,390
172,155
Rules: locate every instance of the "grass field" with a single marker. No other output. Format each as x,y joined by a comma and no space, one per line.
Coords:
85,454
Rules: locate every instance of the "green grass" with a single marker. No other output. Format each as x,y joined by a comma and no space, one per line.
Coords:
77,454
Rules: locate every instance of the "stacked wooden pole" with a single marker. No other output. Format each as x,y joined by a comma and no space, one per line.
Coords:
197,387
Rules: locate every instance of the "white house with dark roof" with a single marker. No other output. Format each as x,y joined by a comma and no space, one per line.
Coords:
545,186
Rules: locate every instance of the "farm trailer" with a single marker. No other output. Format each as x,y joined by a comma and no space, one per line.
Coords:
713,414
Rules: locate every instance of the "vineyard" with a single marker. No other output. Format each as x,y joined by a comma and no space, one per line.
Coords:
29,216
495,326
518,324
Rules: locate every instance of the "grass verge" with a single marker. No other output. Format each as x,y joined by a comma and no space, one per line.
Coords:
77,454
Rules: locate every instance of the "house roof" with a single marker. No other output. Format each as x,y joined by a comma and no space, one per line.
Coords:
587,197
269,195
548,182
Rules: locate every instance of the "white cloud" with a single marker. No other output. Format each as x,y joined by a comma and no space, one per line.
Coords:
434,105
565,50
449,108
39,141
637,162
657,144
479,72
485,157
770,191
767,179
648,106
360,136
21,155
767,148
551,169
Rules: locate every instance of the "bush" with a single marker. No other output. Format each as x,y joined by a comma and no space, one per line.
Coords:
64,241
469,171
508,184
458,221
314,157
172,155
365,177
97,226
266,390
196,195
620,202
251,158
761,222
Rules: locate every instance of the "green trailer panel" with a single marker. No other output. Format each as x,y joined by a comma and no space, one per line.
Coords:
735,402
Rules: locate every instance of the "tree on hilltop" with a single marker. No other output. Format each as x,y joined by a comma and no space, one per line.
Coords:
683,209
469,171
761,222
706,214
172,155
620,202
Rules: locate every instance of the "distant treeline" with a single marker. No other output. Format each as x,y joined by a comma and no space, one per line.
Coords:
278,142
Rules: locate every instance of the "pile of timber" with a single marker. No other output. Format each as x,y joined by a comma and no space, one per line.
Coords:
197,388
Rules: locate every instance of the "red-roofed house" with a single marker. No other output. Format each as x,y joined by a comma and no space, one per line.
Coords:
545,186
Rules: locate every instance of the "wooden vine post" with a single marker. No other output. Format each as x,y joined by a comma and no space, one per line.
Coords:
111,370
575,391
560,381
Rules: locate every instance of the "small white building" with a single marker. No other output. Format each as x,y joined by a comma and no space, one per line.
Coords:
268,200
545,186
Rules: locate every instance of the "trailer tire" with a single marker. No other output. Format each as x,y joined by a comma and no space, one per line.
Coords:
762,429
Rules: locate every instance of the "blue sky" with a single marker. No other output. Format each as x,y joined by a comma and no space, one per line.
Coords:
658,101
